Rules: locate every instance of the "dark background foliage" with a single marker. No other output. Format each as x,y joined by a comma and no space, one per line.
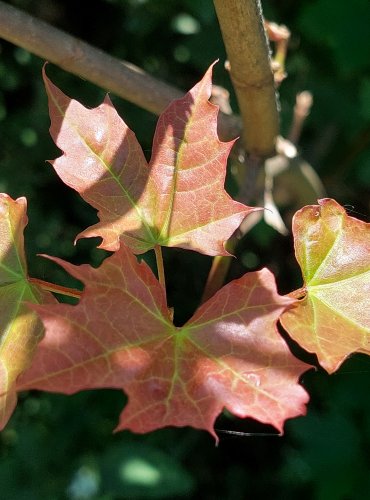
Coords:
58,447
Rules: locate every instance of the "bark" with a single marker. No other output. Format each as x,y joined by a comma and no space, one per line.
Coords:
80,58
250,70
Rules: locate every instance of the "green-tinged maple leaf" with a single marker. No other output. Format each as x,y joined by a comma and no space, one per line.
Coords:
20,328
177,200
333,317
120,335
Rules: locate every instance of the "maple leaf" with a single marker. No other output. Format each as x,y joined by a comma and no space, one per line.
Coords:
20,328
177,200
120,335
333,317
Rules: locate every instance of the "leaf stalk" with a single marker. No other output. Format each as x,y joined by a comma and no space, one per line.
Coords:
59,289
160,267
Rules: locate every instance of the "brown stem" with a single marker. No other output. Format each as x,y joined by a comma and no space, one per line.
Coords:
59,289
246,44
94,65
216,276
249,190
250,69
302,109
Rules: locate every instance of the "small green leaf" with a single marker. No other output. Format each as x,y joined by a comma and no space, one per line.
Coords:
333,250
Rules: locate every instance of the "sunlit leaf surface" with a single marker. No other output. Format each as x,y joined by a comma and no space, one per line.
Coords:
333,317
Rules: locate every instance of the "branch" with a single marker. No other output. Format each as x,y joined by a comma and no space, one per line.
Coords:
247,48
80,58
248,53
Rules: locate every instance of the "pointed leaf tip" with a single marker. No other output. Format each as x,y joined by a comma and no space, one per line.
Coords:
13,220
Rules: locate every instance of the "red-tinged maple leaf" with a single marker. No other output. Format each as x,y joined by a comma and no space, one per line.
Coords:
177,200
120,335
20,328
333,317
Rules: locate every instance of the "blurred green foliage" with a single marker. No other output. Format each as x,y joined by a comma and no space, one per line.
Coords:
58,447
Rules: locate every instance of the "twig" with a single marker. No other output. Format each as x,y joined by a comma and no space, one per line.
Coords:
250,70
80,58
302,108
217,274
59,289
280,35
247,48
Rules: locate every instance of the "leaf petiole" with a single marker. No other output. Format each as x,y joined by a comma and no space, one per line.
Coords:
219,269
160,267
59,289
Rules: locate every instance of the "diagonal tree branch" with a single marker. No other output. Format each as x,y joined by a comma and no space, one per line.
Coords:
80,58
248,52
